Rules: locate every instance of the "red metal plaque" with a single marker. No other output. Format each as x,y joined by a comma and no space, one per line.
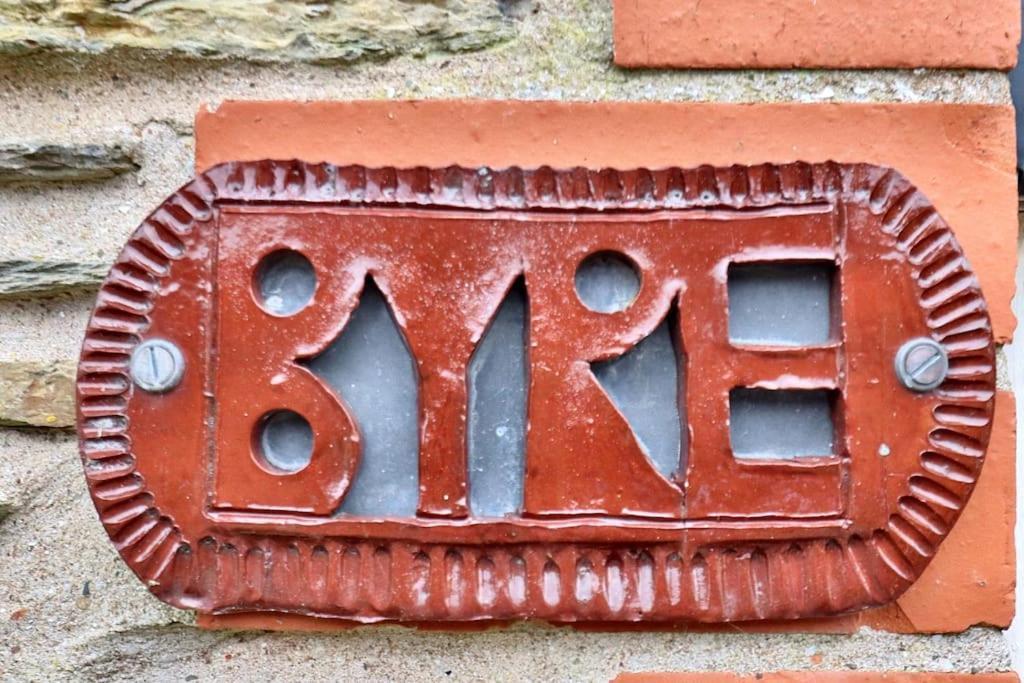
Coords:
194,507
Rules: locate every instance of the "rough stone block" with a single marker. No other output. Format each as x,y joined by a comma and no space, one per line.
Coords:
42,162
20,277
262,31
36,394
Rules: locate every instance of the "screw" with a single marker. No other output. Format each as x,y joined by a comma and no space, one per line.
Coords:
922,364
157,365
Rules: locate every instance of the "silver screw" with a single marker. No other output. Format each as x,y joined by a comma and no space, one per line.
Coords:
157,365
922,364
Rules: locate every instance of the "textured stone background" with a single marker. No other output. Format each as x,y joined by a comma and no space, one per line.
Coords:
96,128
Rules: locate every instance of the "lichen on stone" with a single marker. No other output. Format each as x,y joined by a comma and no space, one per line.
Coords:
30,162
258,30
36,394
21,277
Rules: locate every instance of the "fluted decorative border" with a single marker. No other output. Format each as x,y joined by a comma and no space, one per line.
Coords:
369,581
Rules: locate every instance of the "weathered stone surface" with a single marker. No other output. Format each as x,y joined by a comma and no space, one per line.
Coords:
43,329
255,29
89,222
37,394
21,478
7,502
42,162
20,277
11,485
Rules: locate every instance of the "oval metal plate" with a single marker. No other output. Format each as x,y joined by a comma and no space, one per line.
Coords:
601,534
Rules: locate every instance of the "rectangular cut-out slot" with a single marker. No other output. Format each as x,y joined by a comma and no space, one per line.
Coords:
781,304
781,425
497,410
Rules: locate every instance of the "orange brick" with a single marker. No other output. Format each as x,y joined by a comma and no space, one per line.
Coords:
816,33
961,156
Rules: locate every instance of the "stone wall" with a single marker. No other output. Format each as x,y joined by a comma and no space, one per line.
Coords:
96,127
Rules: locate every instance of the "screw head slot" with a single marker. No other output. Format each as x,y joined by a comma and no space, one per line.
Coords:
157,365
922,364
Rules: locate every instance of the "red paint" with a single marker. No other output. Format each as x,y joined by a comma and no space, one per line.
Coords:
207,527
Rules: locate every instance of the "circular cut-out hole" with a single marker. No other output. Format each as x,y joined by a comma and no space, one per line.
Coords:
285,440
607,282
285,282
